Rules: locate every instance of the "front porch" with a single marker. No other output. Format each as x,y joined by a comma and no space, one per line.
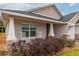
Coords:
25,28
22,27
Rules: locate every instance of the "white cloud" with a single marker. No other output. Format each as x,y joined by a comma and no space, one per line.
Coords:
16,6
20,6
72,4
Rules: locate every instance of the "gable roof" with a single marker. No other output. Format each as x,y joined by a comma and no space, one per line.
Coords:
64,18
51,5
34,9
68,17
31,14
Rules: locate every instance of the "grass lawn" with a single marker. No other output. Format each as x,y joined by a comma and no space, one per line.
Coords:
71,52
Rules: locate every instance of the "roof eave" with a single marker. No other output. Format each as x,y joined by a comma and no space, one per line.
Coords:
29,16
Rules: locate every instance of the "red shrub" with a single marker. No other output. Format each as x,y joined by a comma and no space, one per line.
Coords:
49,46
38,47
18,48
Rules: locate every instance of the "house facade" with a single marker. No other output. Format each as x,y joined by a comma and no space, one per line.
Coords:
39,23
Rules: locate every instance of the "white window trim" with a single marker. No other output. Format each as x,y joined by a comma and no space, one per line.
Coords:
24,38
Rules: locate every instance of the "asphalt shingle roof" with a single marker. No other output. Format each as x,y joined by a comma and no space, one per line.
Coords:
64,18
68,17
32,14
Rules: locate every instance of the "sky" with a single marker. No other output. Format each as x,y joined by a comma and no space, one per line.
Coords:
64,8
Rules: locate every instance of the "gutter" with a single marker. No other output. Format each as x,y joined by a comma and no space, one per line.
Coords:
29,16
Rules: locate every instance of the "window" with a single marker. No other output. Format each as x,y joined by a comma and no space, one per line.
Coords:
28,30
2,29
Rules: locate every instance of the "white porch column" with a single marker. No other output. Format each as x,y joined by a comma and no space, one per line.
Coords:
51,30
11,30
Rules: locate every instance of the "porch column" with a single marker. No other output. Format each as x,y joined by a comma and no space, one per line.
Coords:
51,31
11,30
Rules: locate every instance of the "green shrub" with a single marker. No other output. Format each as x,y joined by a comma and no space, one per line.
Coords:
4,53
70,43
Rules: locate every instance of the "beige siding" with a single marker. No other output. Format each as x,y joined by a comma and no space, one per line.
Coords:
77,32
49,11
41,29
59,30
77,29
